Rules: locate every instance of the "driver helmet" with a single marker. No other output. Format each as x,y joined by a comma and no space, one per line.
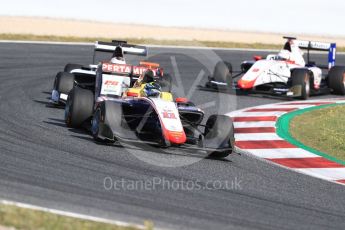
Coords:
118,56
152,89
284,54
148,76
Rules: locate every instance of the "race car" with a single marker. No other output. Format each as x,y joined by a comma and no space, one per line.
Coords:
285,73
144,113
85,74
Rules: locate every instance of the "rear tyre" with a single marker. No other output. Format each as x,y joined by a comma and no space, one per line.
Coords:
166,83
219,133
64,82
223,72
336,80
79,107
301,77
69,67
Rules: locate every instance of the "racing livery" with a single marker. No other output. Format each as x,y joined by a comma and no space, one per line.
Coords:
285,73
144,113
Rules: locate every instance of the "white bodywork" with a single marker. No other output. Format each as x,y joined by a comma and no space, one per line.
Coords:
114,85
169,117
57,97
277,69
168,114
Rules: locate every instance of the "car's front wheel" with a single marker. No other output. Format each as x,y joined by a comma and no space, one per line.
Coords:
219,135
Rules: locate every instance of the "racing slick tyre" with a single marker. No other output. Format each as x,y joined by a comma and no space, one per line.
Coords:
166,83
336,80
108,116
301,77
64,82
222,72
79,107
69,67
219,134
100,132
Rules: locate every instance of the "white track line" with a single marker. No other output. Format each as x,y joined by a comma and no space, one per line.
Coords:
325,173
255,124
284,106
256,136
71,214
260,114
281,153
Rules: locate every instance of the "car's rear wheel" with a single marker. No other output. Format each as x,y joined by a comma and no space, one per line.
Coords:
79,107
301,78
223,73
336,80
219,134
70,66
166,82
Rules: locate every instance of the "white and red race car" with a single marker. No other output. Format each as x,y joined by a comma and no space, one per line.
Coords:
144,113
285,73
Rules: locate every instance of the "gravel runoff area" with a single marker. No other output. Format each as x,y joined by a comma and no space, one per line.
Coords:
49,26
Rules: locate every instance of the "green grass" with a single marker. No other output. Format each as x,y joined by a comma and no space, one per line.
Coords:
27,219
323,130
30,37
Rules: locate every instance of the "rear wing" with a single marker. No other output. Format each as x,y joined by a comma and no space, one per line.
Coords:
319,46
109,47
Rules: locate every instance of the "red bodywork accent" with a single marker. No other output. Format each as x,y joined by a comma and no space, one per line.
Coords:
131,94
257,58
181,100
175,137
243,84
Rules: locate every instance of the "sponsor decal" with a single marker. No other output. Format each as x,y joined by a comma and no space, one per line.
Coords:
168,115
256,70
126,69
116,68
111,83
139,70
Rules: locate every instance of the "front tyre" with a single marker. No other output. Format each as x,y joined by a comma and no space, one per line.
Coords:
301,78
219,134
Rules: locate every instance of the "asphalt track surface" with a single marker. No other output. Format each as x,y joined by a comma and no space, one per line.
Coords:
44,163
